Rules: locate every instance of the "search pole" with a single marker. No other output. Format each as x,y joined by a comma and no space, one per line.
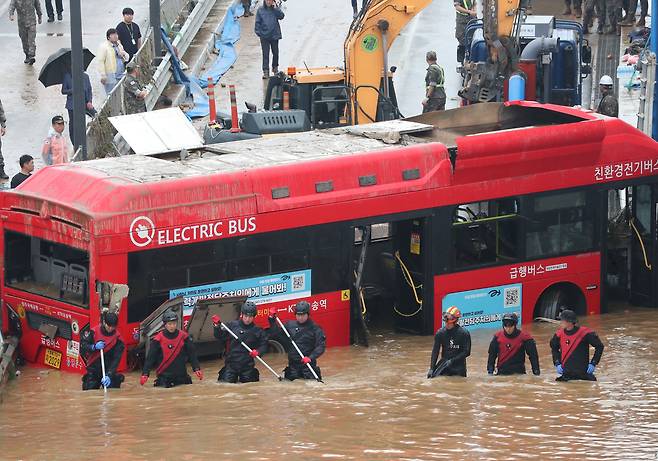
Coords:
77,69
155,27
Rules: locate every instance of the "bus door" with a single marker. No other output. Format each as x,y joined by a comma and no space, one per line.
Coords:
642,224
390,269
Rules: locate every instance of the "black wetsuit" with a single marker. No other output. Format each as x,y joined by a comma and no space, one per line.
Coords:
455,345
239,365
511,359
311,341
112,356
176,372
575,365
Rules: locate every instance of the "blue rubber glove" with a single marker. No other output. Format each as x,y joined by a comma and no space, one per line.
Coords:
106,381
490,371
590,369
99,345
559,369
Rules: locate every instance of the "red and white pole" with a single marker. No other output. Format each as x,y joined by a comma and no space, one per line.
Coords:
235,126
211,102
286,100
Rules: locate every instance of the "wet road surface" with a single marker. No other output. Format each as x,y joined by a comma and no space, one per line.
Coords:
376,405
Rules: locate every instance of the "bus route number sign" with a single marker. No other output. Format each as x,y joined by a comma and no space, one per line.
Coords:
53,358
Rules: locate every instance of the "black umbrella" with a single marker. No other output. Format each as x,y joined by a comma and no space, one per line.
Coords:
59,63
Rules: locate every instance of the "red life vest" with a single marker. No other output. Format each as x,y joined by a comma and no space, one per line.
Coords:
110,342
170,348
508,347
569,343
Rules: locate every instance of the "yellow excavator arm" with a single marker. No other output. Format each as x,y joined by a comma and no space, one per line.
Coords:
366,51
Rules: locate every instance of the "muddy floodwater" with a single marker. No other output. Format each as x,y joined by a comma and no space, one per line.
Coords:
376,404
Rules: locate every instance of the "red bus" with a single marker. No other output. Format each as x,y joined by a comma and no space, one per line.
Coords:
490,207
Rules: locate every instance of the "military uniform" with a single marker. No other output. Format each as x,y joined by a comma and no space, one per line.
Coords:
434,81
461,21
613,13
590,5
3,121
132,88
27,24
608,105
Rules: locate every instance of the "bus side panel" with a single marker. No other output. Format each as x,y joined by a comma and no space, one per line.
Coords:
535,277
329,310
34,345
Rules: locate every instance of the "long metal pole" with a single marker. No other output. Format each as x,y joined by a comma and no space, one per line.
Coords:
79,129
155,24
653,44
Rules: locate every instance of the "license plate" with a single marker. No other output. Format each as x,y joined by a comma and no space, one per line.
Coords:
53,358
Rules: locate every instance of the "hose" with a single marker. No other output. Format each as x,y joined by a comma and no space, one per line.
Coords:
407,277
363,300
639,238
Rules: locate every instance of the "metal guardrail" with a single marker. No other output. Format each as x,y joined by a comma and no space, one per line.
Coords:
100,132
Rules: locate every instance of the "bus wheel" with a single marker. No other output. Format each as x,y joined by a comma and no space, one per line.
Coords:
557,298
275,347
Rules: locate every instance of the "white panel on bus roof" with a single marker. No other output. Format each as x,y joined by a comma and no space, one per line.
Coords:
158,131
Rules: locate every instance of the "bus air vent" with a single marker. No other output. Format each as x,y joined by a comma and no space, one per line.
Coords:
36,320
369,180
324,186
280,192
409,175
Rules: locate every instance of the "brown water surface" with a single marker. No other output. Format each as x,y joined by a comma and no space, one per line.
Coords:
376,405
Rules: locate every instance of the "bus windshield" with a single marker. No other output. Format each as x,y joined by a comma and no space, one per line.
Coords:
46,268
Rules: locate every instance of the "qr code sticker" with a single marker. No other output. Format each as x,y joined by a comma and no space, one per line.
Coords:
512,297
298,282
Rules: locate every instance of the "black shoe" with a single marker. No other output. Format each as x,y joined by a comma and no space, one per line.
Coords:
59,16
31,61
27,60
51,19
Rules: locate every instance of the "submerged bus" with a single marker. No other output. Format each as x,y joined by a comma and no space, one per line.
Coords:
489,207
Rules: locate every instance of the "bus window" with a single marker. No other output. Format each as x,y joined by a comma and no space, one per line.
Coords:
560,223
46,268
486,233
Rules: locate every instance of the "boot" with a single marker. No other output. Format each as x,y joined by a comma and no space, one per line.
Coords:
266,75
578,11
3,175
51,19
275,70
567,11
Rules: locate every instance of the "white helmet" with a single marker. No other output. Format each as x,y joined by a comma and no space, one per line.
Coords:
606,80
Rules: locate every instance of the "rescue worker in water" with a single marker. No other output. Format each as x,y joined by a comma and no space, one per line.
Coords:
570,348
510,346
454,343
309,338
170,350
239,362
106,338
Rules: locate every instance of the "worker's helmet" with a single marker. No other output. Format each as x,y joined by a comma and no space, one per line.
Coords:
110,319
248,308
452,314
169,316
606,80
510,319
302,307
569,316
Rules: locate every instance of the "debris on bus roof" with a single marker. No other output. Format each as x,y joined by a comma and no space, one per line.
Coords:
164,130
390,131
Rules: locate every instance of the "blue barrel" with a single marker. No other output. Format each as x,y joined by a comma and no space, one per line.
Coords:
516,88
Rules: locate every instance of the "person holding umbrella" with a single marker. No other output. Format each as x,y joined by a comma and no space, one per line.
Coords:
27,25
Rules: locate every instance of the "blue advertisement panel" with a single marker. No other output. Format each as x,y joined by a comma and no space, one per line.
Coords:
484,307
261,290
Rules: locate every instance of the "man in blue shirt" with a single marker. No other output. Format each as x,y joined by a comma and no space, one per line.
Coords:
67,89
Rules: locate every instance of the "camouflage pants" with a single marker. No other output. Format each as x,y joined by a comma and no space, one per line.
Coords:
588,13
613,12
28,35
460,27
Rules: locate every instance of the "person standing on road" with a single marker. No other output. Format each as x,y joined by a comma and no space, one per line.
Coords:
57,147
67,89
51,13
3,130
111,60
629,18
239,362
135,93
576,8
308,336
106,338
608,104
246,5
268,30
435,95
129,34
570,349
510,346
466,10
27,25
454,344
169,351
26,163
590,7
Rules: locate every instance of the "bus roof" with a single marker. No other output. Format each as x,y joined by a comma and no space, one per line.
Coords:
425,152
